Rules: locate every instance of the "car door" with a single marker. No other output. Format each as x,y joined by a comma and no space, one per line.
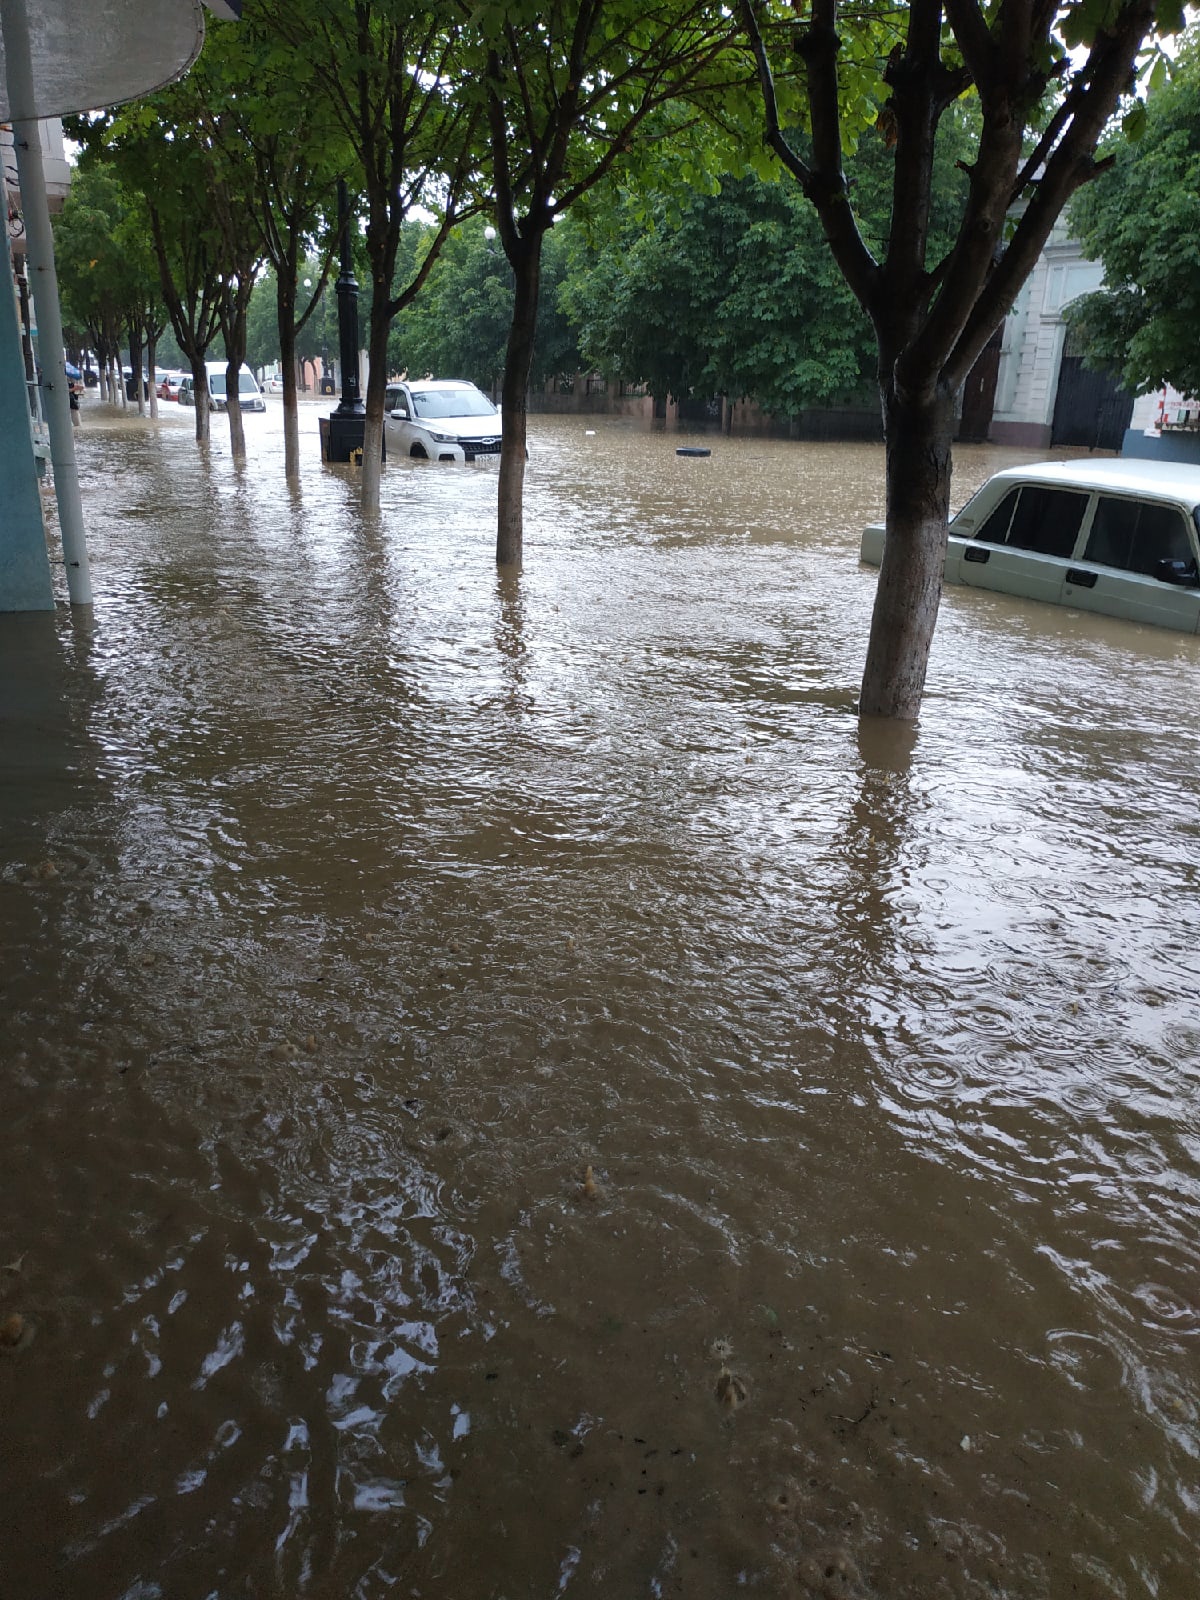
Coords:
1139,562
398,430
1023,546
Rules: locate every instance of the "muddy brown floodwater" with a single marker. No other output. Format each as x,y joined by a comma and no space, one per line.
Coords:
355,903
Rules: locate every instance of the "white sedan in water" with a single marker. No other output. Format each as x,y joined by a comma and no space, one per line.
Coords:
440,420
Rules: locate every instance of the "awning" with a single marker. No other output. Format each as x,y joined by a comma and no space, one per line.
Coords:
92,53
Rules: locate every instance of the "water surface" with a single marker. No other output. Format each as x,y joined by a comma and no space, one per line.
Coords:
354,902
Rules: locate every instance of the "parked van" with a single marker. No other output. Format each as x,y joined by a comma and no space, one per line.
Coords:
249,394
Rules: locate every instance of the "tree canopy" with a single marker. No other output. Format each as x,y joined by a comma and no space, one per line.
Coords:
734,292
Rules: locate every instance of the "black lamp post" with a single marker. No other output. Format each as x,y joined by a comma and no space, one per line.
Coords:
342,430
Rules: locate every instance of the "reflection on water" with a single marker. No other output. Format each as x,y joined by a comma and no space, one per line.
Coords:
355,901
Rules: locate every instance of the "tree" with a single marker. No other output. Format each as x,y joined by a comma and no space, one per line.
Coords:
387,72
1042,114
166,166
458,325
567,87
1141,218
731,293
92,269
277,151
107,271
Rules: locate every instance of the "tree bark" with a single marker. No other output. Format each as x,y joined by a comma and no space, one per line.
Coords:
200,395
237,428
510,495
372,461
285,313
917,435
135,370
152,369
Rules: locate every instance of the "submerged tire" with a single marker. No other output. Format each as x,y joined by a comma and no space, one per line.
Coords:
692,450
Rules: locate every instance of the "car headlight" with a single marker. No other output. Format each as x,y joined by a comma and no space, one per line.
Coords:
442,438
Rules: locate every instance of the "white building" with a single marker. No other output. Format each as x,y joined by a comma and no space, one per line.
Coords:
1031,356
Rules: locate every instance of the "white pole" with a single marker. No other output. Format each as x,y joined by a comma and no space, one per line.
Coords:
35,211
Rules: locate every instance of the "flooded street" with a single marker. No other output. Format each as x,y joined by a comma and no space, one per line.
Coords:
355,903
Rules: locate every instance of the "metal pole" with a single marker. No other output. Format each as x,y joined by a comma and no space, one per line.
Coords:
40,255
347,305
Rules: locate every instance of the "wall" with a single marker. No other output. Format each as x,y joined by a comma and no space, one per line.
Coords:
1031,353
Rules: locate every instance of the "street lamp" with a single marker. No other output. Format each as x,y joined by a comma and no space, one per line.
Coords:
342,431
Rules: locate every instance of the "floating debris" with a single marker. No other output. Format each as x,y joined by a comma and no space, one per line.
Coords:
284,1050
589,1188
721,1350
730,1390
16,1264
312,1044
13,1332
965,1442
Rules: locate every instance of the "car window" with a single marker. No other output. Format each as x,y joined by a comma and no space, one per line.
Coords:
994,528
246,383
1138,536
216,383
1046,521
463,402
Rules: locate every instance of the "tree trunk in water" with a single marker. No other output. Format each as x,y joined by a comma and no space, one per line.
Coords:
200,395
237,430
285,308
372,462
917,436
233,404
135,372
152,369
510,493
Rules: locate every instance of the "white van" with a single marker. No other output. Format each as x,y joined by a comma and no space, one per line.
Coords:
249,394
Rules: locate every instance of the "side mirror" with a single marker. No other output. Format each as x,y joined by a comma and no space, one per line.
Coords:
1182,573
400,414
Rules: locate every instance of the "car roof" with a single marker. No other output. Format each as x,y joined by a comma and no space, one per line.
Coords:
424,385
1165,480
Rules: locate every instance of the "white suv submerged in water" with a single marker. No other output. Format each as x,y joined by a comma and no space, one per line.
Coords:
440,420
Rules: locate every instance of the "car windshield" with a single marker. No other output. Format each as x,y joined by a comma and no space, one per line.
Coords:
465,402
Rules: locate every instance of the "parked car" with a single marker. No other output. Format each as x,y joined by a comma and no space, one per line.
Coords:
187,390
1121,537
274,384
131,383
440,420
249,394
168,389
